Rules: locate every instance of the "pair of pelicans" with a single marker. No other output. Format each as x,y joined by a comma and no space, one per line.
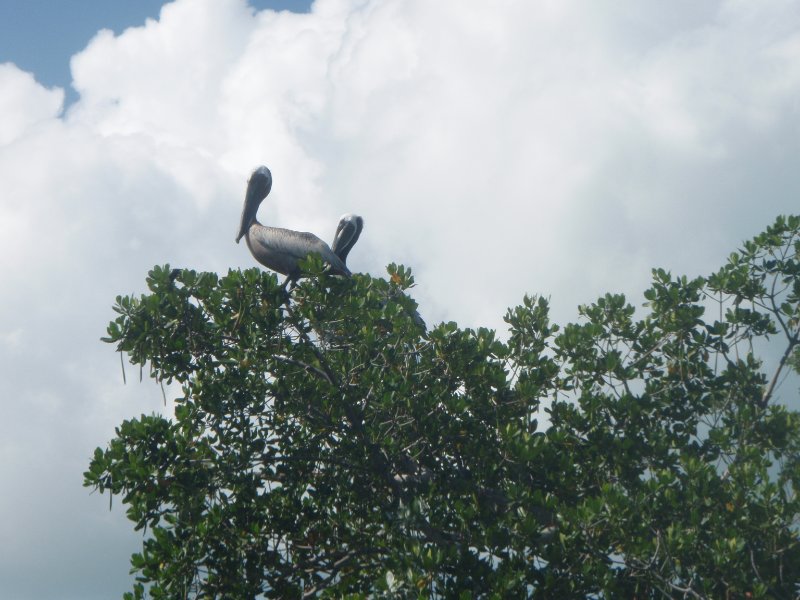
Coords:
282,249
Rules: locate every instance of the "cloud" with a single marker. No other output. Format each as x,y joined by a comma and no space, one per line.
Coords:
24,103
559,148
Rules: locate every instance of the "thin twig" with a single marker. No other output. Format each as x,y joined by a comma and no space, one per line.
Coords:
793,341
307,367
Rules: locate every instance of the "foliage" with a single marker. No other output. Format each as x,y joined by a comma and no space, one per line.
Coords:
326,444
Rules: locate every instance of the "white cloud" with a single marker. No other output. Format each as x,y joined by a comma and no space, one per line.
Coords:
24,103
560,148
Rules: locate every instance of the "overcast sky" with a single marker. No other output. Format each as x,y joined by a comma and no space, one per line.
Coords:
496,148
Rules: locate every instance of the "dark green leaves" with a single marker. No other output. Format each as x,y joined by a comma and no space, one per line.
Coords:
327,443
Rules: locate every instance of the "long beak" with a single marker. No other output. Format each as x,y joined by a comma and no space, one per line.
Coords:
341,241
257,189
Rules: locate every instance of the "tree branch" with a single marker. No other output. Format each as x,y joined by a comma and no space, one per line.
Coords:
793,341
310,368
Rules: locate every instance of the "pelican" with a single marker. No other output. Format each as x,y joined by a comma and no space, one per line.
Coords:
275,248
347,233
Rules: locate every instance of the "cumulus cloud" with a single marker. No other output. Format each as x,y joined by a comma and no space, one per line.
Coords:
24,103
560,148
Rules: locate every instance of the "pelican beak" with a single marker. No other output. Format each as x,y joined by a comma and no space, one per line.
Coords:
257,189
344,233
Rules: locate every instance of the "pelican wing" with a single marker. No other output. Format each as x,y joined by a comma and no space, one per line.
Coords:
282,249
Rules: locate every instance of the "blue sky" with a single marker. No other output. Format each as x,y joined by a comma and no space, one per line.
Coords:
40,36
495,148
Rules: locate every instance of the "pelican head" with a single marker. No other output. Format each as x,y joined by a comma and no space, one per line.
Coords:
347,233
258,187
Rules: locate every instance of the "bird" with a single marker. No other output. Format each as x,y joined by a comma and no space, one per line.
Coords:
279,249
346,236
347,233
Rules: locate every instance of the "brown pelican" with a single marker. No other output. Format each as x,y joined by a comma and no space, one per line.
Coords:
347,233
275,248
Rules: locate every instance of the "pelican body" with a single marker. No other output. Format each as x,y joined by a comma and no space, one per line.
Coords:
279,249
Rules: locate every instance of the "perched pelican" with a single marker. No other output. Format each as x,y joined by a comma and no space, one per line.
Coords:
347,233
275,248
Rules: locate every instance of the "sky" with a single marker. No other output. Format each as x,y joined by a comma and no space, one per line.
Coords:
497,149
40,36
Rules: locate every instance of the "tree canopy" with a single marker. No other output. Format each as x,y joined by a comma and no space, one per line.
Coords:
327,444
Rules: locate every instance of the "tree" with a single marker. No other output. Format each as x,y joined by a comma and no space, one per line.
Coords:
326,444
